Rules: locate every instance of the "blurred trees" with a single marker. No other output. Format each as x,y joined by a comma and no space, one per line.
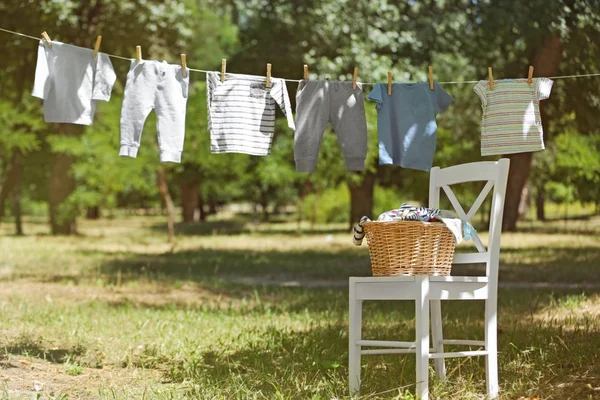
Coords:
77,168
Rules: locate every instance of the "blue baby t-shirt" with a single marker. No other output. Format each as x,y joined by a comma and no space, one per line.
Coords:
406,122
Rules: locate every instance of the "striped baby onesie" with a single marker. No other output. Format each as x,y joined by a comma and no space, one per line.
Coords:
511,120
241,112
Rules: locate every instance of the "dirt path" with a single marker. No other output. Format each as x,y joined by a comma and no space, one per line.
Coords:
324,283
21,377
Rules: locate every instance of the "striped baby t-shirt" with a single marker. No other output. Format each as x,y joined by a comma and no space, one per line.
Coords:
511,120
241,112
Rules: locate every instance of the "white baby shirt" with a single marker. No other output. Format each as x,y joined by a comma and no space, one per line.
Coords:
70,80
241,112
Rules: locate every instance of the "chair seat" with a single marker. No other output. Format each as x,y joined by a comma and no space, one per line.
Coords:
360,279
406,287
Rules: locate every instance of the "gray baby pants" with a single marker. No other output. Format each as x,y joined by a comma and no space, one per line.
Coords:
321,102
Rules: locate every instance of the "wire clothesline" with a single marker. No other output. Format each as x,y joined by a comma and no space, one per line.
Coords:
298,80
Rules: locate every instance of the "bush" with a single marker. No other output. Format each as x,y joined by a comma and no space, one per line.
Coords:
332,205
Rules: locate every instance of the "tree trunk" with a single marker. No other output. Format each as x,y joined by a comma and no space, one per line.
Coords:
16,194
313,217
189,200
524,202
304,191
92,213
61,185
361,198
201,208
540,199
212,206
520,164
163,188
3,195
9,181
546,62
264,205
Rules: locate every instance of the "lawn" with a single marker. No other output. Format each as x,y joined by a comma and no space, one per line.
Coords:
235,309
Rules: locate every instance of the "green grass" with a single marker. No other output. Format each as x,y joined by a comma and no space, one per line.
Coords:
118,313
73,369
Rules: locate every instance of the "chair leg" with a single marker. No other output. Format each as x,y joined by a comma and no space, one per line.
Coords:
355,327
491,345
438,336
422,338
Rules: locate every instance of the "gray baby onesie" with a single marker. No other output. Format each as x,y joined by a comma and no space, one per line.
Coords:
321,102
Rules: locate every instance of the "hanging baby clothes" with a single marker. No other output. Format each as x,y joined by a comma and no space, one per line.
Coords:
241,112
406,122
162,87
321,102
511,120
70,79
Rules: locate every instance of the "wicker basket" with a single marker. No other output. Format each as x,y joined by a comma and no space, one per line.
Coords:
409,248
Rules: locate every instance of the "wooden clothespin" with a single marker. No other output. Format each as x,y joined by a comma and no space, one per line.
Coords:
491,78
47,39
354,77
184,65
431,78
530,76
305,72
268,84
389,83
223,68
138,53
97,45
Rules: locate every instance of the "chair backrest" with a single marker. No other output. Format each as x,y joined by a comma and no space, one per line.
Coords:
496,175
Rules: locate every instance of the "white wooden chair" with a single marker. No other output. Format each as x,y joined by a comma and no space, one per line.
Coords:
428,291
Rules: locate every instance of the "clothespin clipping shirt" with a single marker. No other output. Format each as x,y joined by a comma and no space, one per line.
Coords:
183,65
138,53
47,39
305,72
389,83
431,78
491,76
268,83
223,68
97,45
530,76
354,77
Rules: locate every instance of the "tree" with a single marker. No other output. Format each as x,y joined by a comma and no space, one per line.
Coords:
21,141
157,26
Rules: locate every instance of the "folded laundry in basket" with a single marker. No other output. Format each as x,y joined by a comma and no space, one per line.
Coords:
462,230
407,212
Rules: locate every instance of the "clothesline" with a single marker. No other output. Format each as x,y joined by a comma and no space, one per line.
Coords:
298,80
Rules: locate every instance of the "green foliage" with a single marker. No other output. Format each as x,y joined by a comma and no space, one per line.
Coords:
459,38
387,199
328,206
569,169
23,125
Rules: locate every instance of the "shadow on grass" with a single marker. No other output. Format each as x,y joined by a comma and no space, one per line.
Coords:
305,363
334,263
31,347
543,264
550,264
267,265
578,225
239,227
